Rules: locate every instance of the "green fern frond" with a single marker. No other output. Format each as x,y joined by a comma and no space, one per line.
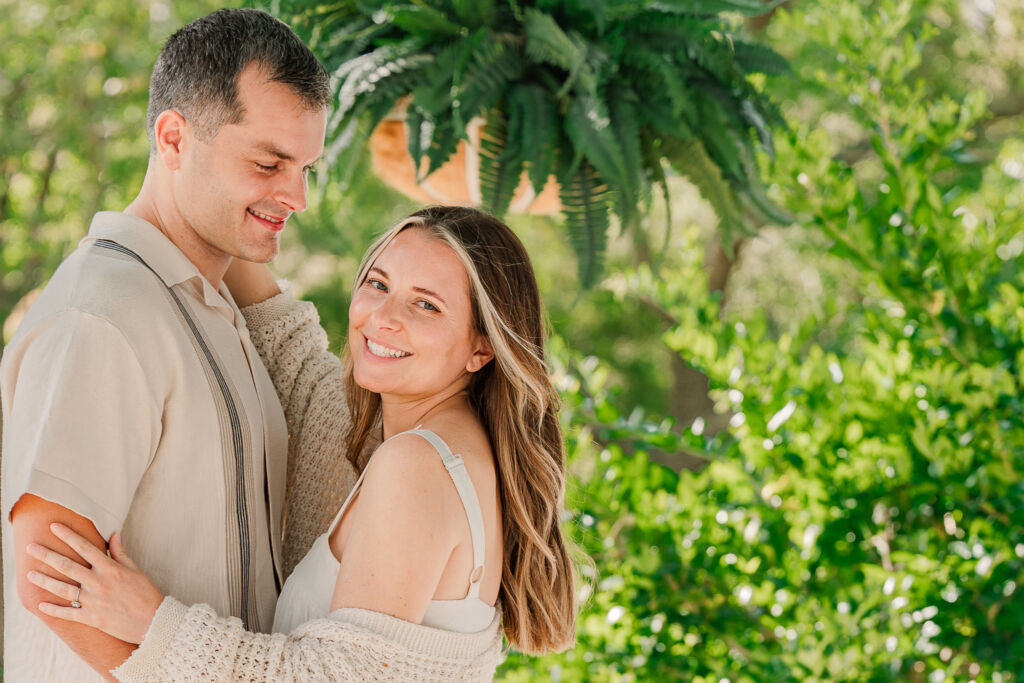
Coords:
424,21
588,126
717,135
652,71
755,119
689,158
475,13
414,124
653,156
369,73
665,30
586,206
546,42
444,140
491,66
434,92
624,124
756,201
754,58
500,165
537,136
345,151
750,8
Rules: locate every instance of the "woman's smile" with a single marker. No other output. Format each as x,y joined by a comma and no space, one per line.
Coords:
385,351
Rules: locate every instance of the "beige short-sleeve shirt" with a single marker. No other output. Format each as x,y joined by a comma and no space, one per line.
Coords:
112,408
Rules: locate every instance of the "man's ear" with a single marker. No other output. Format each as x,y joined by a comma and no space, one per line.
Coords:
170,130
481,356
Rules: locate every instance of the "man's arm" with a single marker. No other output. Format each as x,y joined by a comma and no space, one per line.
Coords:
31,518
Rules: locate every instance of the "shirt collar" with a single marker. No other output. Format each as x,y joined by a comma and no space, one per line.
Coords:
159,252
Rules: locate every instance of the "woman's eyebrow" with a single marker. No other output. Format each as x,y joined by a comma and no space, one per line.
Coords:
421,290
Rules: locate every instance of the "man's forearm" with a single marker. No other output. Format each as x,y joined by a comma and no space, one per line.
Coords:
31,518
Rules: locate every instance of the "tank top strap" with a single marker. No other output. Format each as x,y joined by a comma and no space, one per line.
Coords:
467,492
348,500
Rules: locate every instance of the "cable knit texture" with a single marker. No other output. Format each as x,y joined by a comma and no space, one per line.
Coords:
194,644
288,337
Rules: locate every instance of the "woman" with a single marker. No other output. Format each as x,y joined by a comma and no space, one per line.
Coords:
431,550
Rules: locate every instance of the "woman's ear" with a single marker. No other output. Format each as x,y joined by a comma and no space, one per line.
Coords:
169,131
481,356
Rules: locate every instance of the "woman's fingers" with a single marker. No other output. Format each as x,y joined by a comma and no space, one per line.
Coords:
79,544
62,590
59,588
118,554
64,565
67,613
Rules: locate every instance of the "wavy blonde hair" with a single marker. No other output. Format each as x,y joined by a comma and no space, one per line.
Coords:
518,406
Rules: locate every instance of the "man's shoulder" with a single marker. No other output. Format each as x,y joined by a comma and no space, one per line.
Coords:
97,283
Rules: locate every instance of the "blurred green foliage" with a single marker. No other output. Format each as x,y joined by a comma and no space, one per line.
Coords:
863,516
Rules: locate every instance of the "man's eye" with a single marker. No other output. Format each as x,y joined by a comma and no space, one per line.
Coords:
263,167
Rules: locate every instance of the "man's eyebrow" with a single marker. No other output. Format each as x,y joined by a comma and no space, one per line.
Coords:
269,148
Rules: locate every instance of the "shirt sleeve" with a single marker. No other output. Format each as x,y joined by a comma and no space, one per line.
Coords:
82,424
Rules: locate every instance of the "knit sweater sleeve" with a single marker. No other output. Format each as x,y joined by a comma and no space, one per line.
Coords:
293,346
194,644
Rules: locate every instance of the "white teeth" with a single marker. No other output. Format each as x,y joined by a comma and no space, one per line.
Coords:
384,351
265,217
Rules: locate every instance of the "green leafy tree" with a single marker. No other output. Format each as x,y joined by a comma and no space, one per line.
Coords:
863,516
600,95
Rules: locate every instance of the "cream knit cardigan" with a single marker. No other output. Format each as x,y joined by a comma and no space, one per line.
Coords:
195,644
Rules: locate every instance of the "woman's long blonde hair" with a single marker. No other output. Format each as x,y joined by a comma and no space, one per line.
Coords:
518,406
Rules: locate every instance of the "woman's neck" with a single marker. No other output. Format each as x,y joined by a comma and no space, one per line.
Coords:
400,414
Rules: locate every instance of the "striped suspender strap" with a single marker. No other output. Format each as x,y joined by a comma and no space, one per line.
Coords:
206,356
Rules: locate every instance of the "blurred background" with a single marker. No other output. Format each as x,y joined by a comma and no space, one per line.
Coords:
795,450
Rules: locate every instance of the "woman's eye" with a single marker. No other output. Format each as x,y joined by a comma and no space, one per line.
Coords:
429,306
377,284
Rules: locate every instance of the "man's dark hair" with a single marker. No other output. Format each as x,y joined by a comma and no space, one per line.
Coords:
197,71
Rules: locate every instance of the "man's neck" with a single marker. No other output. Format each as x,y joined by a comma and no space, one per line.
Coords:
212,264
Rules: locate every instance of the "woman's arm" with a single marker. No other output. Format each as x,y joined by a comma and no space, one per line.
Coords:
308,380
250,283
183,643
404,526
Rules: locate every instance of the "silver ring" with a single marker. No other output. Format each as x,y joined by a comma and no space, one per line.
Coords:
75,603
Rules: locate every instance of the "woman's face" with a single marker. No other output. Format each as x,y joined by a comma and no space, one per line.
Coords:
411,332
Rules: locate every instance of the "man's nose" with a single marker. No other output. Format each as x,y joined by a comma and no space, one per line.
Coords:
292,190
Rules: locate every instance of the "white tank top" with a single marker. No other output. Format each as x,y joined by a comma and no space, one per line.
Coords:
308,591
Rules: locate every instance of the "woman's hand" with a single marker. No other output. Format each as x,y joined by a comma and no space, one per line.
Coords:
115,596
250,283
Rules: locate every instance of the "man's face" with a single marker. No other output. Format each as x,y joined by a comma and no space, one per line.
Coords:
236,190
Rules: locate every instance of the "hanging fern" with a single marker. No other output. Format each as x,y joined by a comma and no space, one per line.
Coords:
602,95
585,203
500,164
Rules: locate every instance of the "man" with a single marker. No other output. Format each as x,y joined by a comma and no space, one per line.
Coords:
132,397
